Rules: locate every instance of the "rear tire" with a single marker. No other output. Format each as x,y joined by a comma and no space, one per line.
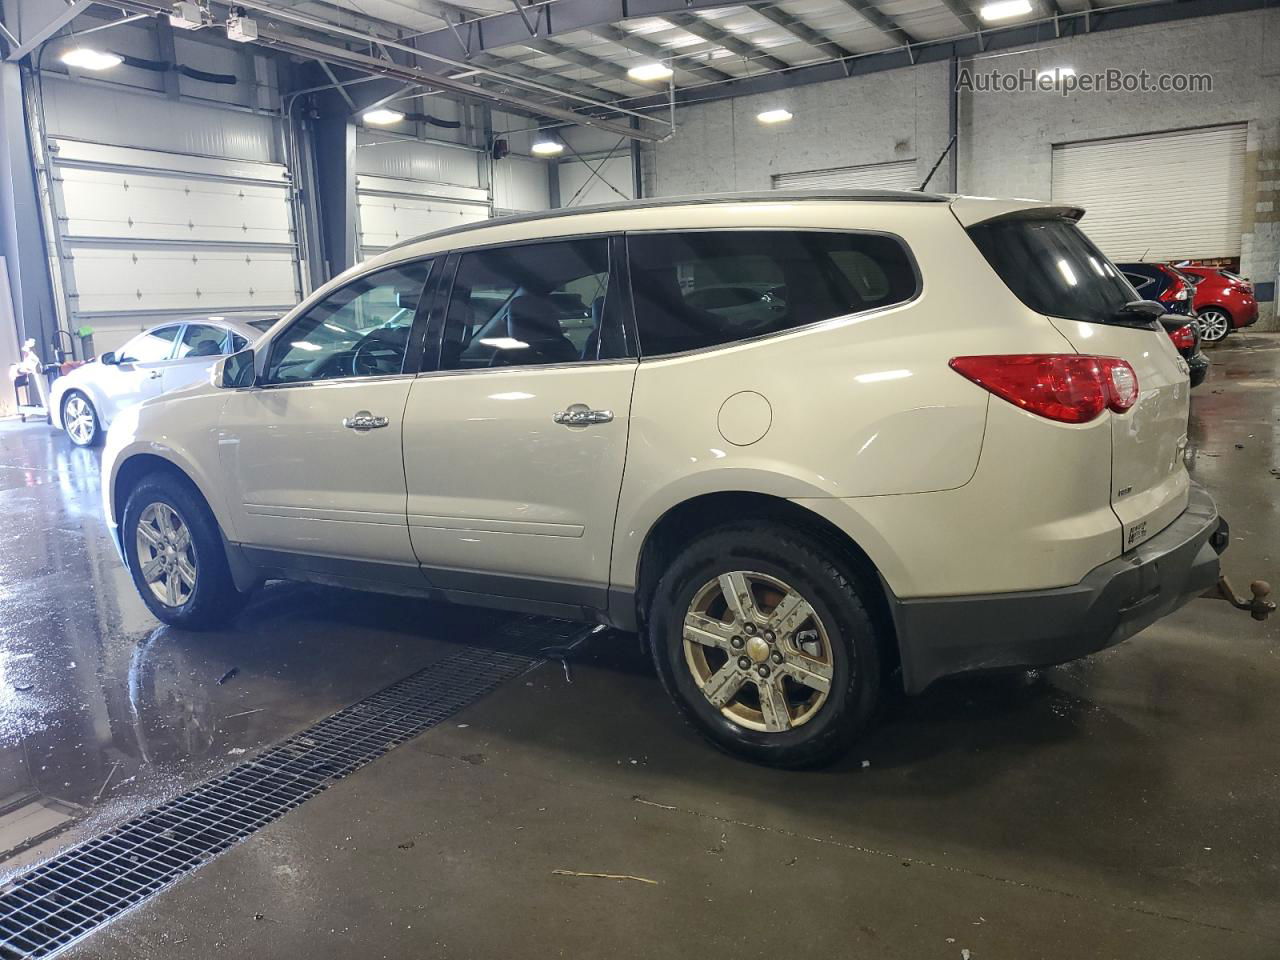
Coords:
1214,323
788,678
80,419
175,554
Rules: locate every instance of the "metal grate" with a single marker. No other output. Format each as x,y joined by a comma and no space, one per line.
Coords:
82,888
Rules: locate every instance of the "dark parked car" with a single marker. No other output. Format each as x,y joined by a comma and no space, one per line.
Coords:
1162,283
1186,337
1222,301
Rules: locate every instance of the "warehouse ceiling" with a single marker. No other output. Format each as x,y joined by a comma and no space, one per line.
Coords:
568,61
704,43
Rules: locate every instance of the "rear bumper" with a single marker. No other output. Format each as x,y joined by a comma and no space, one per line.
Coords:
942,636
1199,365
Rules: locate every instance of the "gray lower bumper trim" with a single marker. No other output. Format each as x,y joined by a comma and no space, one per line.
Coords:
941,636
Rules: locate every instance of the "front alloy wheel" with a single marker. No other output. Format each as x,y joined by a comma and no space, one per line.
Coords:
80,420
1214,324
757,651
166,556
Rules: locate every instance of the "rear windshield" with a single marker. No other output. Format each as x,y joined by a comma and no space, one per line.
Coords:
1051,266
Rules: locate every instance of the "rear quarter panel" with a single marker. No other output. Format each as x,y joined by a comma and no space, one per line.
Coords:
861,410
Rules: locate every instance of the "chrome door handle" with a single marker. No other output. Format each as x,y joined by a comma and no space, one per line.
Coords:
364,420
580,415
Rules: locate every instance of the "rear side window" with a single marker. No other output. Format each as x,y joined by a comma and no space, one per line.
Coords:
701,289
530,305
1052,267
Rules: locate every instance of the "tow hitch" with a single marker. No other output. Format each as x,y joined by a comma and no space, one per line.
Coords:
1259,607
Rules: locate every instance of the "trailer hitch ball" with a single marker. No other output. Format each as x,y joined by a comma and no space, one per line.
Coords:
1258,605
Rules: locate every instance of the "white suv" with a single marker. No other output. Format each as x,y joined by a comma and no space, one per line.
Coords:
803,442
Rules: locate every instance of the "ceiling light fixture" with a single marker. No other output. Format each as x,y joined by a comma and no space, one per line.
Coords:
647,72
547,148
774,116
1004,10
381,116
89,59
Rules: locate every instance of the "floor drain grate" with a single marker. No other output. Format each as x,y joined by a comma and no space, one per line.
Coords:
82,888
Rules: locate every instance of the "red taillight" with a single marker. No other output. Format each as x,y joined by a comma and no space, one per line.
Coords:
1066,387
1178,291
1184,338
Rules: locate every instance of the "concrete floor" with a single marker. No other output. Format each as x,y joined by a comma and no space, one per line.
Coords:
1124,806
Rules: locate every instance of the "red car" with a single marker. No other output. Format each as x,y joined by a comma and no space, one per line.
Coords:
1223,301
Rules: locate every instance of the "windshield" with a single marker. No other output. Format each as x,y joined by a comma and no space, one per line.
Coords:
1052,267
264,324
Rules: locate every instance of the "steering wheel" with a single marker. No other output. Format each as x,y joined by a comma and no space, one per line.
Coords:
365,359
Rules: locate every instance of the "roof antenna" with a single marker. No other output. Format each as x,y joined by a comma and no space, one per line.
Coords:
951,143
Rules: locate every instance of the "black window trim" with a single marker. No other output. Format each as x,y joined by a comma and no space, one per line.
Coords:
412,349
829,321
434,333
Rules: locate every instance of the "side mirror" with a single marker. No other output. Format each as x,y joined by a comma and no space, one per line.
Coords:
235,371
109,358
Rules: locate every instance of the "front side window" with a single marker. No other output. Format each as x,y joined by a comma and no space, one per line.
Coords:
695,290
361,330
151,346
1053,268
530,305
201,340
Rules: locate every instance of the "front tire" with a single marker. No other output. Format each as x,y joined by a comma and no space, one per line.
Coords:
175,554
1214,324
765,641
80,419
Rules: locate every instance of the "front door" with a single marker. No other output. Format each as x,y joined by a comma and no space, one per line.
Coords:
138,372
515,443
313,449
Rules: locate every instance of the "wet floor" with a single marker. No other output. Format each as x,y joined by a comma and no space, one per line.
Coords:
1124,806
104,711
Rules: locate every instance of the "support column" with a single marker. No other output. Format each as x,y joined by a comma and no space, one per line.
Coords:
335,153
21,228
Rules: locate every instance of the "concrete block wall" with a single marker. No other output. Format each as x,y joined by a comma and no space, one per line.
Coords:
1006,139
879,118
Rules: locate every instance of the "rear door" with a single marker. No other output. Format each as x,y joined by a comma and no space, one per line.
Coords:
1054,269
516,433
199,347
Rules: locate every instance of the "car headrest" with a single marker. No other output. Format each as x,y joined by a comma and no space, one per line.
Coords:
534,318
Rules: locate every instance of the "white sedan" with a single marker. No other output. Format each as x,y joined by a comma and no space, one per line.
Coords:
156,361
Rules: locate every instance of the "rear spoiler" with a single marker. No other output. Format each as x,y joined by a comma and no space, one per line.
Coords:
971,211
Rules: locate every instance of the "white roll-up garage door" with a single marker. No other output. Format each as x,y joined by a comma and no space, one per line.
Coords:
899,175
393,210
1163,196
147,234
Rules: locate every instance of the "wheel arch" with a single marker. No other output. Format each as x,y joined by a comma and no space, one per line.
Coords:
134,467
1220,306
700,514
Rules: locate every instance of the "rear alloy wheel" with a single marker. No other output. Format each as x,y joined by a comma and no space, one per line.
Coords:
80,420
758,651
1214,324
762,637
